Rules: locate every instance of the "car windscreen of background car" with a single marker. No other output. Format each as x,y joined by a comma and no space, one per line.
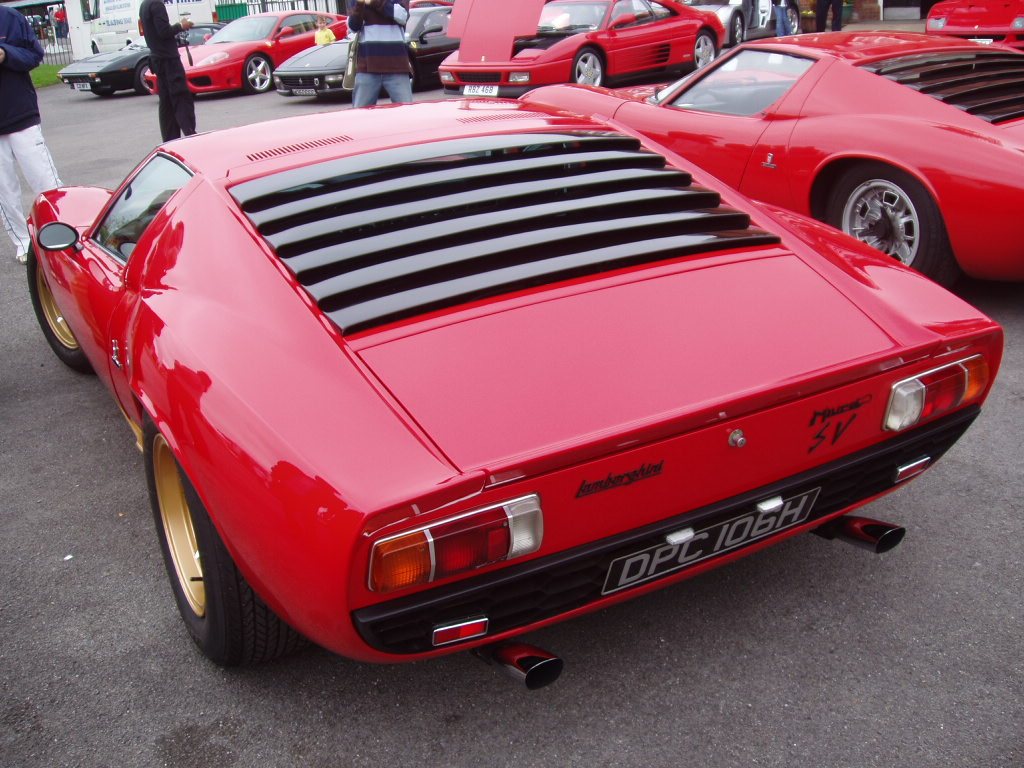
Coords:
245,30
745,84
571,17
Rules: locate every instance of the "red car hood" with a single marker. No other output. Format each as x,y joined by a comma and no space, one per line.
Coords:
590,365
983,13
235,51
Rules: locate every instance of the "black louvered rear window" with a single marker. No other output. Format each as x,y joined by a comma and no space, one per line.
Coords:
989,84
392,234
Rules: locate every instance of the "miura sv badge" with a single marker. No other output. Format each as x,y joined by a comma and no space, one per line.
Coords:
657,561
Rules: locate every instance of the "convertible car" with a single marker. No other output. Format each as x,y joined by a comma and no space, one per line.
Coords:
575,41
319,70
909,142
245,53
124,70
476,366
982,21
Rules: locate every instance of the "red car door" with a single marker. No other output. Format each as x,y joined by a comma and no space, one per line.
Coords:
637,40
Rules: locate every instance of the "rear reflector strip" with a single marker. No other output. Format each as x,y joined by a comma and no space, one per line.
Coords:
464,630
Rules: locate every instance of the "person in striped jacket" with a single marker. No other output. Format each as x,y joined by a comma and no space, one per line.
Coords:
382,60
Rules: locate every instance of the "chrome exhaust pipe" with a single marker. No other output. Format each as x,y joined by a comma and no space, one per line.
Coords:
526,663
863,532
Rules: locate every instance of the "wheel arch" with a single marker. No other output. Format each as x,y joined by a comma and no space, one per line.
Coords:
828,174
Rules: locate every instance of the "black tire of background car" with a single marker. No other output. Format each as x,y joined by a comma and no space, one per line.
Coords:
596,57
237,628
709,40
103,90
934,256
138,79
247,85
72,356
737,29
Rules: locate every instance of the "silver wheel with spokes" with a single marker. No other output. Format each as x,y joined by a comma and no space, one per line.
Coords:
704,50
882,215
588,68
257,74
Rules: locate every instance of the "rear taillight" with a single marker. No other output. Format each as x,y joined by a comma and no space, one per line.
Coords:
935,392
457,545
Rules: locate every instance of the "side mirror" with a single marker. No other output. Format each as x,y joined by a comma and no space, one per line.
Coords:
285,32
624,20
58,236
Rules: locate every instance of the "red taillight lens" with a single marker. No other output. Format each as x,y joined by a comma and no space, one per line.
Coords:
943,390
458,544
936,392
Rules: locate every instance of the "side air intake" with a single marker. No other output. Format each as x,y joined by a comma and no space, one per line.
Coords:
388,235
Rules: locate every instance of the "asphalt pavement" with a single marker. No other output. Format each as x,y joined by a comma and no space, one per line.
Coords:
811,653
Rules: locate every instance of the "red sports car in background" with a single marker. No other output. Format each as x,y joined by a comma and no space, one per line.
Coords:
244,54
911,143
983,21
482,366
579,41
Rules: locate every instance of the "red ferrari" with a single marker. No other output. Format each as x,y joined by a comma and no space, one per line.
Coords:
982,21
244,54
575,41
476,367
909,142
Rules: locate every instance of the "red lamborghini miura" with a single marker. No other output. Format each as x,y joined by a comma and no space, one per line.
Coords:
574,41
912,143
475,367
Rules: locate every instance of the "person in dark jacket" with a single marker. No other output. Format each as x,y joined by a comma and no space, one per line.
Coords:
382,60
177,111
21,137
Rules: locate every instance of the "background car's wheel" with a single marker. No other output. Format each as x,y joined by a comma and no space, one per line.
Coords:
139,78
228,621
257,74
891,211
737,29
95,48
588,67
148,84
51,320
793,15
704,49
102,90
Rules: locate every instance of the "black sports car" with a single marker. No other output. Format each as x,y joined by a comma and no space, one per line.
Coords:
318,71
122,70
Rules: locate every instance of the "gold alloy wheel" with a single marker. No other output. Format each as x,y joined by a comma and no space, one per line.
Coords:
54,317
177,520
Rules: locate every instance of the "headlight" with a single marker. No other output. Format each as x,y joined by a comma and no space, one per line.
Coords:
519,77
457,544
937,23
447,77
215,58
1018,23
334,78
935,392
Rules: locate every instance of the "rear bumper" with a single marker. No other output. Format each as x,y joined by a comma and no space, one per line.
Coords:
538,591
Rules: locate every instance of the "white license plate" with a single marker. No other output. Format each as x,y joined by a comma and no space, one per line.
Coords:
304,91
479,90
982,40
83,87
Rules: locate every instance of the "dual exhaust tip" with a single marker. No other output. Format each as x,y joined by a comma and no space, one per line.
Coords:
536,668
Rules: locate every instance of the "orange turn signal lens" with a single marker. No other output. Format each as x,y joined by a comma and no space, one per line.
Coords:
401,562
977,377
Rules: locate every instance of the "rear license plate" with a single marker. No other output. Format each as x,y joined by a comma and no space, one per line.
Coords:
83,87
304,91
715,539
479,90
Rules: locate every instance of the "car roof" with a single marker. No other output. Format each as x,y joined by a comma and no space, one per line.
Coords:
864,46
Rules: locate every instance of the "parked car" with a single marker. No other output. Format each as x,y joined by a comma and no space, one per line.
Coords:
982,21
319,70
591,42
244,54
106,73
909,142
477,366
747,19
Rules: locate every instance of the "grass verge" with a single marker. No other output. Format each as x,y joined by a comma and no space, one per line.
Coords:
45,74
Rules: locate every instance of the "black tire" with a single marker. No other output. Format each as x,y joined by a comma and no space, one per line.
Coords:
705,49
227,620
138,79
103,90
588,68
257,74
51,321
737,29
891,211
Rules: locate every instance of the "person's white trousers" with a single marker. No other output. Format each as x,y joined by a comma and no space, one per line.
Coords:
28,150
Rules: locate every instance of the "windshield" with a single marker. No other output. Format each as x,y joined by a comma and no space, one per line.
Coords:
245,30
571,17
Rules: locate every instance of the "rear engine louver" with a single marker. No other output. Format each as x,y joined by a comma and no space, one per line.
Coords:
988,84
299,147
378,237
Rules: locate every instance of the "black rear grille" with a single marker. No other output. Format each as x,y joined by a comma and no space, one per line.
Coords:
479,77
77,79
392,234
520,595
988,84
